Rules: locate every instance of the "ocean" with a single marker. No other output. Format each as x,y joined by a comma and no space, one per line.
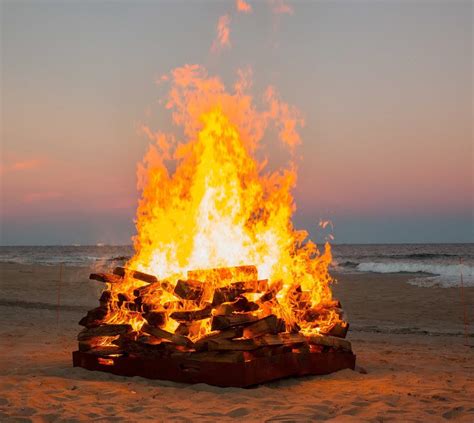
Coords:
430,265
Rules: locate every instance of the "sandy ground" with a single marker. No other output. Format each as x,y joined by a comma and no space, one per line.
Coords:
413,365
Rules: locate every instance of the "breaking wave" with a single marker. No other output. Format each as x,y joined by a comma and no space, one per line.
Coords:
442,275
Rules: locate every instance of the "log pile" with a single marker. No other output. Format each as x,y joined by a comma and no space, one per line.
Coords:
220,315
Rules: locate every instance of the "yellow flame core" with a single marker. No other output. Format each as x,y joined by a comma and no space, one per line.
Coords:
218,208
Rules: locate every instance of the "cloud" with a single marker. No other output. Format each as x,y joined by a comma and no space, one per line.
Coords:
22,165
243,6
223,34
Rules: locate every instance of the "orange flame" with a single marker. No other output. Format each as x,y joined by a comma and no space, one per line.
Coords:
208,202
223,34
243,6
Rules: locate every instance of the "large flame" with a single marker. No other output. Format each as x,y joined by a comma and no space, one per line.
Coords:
208,202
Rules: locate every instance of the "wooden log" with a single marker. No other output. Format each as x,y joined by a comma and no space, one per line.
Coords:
235,290
230,333
224,275
154,289
94,317
111,350
144,277
106,278
241,304
236,319
254,285
339,330
163,334
189,289
329,341
105,298
191,315
105,330
189,328
242,344
98,341
155,318
269,324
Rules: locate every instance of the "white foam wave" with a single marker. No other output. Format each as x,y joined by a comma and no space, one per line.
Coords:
444,275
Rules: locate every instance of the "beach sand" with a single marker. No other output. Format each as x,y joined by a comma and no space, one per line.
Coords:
412,364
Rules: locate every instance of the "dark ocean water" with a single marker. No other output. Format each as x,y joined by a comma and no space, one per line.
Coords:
440,264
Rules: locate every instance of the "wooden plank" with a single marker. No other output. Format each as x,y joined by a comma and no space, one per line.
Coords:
189,289
269,324
241,304
106,278
236,319
339,330
230,333
155,318
191,315
144,277
94,317
330,341
105,330
163,334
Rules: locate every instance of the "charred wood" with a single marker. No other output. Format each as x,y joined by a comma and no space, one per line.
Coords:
105,278
330,341
155,318
144,277
105,330
94,317
269,324
235,319
188,316
189,289
163,334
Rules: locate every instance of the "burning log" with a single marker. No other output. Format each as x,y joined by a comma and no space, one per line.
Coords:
144,277
189,289
105,298
224,274
235,319
234,290
105,278
155,318
105,351
339,330
188,316
241,304
329,341
163,334
243,344
270,324
105,330
253,285
94,317
235,332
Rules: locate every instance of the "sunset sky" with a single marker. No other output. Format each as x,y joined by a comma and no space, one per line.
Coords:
385,88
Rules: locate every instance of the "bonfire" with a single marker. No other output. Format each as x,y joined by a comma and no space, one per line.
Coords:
222,288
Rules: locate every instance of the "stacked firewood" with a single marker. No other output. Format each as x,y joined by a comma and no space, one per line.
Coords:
218,315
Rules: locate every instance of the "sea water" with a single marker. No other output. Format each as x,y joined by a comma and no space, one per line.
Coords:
427,264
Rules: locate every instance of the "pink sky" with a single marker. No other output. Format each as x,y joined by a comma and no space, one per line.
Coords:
385,90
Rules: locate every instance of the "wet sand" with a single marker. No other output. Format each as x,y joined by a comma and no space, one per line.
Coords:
412,364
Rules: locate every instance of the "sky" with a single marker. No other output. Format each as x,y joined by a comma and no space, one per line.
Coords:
385,88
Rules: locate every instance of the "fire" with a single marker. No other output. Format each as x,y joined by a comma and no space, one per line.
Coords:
208,202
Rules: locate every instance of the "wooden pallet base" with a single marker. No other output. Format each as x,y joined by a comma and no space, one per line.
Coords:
240,374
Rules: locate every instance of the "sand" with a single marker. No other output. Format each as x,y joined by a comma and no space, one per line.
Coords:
412,364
